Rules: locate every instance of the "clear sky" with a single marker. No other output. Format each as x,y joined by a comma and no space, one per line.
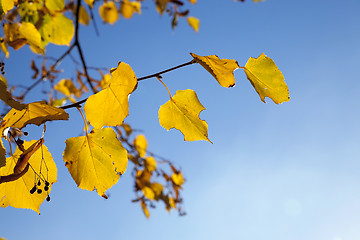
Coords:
275,172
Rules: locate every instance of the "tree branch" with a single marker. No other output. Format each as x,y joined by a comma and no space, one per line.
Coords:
139,79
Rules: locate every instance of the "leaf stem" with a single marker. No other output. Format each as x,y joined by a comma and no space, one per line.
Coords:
158,78
85,122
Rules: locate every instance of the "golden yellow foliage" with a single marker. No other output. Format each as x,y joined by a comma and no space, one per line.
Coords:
2,154
8,5
177,178
267,79
96,161
221,69
3,47
150,164
34,113
145,210
31,34
140,144
84,17
57,29
128,8
8,99
194,23
110,106
192,1
10,192
90,2
68,88
55,5
182,112
108,12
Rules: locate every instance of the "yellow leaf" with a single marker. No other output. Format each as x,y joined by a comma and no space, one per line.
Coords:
150,164
4,47
105,81
110,106
7,97
221,69
8,5
68,88
17,193
267,79
148,192
84,17
161,5
192,1
34,113
182,112
55,5
12,35
145,210
90,2
30,33
140,145
57,29
108,12
194,23
96,161
127,8
2,154
177,178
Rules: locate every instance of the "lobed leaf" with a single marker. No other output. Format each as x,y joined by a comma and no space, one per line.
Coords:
35,113
95,161
110,106
267,79
17,193
221,69
182,112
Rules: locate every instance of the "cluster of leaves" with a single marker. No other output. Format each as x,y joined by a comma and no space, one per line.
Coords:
98,159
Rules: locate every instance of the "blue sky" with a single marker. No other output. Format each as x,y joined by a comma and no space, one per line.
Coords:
275,172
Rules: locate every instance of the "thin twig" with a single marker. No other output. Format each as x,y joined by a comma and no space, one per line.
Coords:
139,79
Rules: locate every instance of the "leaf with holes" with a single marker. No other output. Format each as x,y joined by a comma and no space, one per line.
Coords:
267,79
96,161
221,69
110,106
17,193
182,112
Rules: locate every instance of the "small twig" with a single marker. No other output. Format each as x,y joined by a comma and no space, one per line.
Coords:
139,79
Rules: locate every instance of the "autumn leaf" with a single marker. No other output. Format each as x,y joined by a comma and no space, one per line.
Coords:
57,29
3,46
221,69
10,192
31,34
110,106
192,1
8,99
128,8
2,154
55,5
140,145
35,113
8,5
182,112
84,17
150,164
161,5
96,161
68,88
90,3
108,12
267,79
177,178
194,23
